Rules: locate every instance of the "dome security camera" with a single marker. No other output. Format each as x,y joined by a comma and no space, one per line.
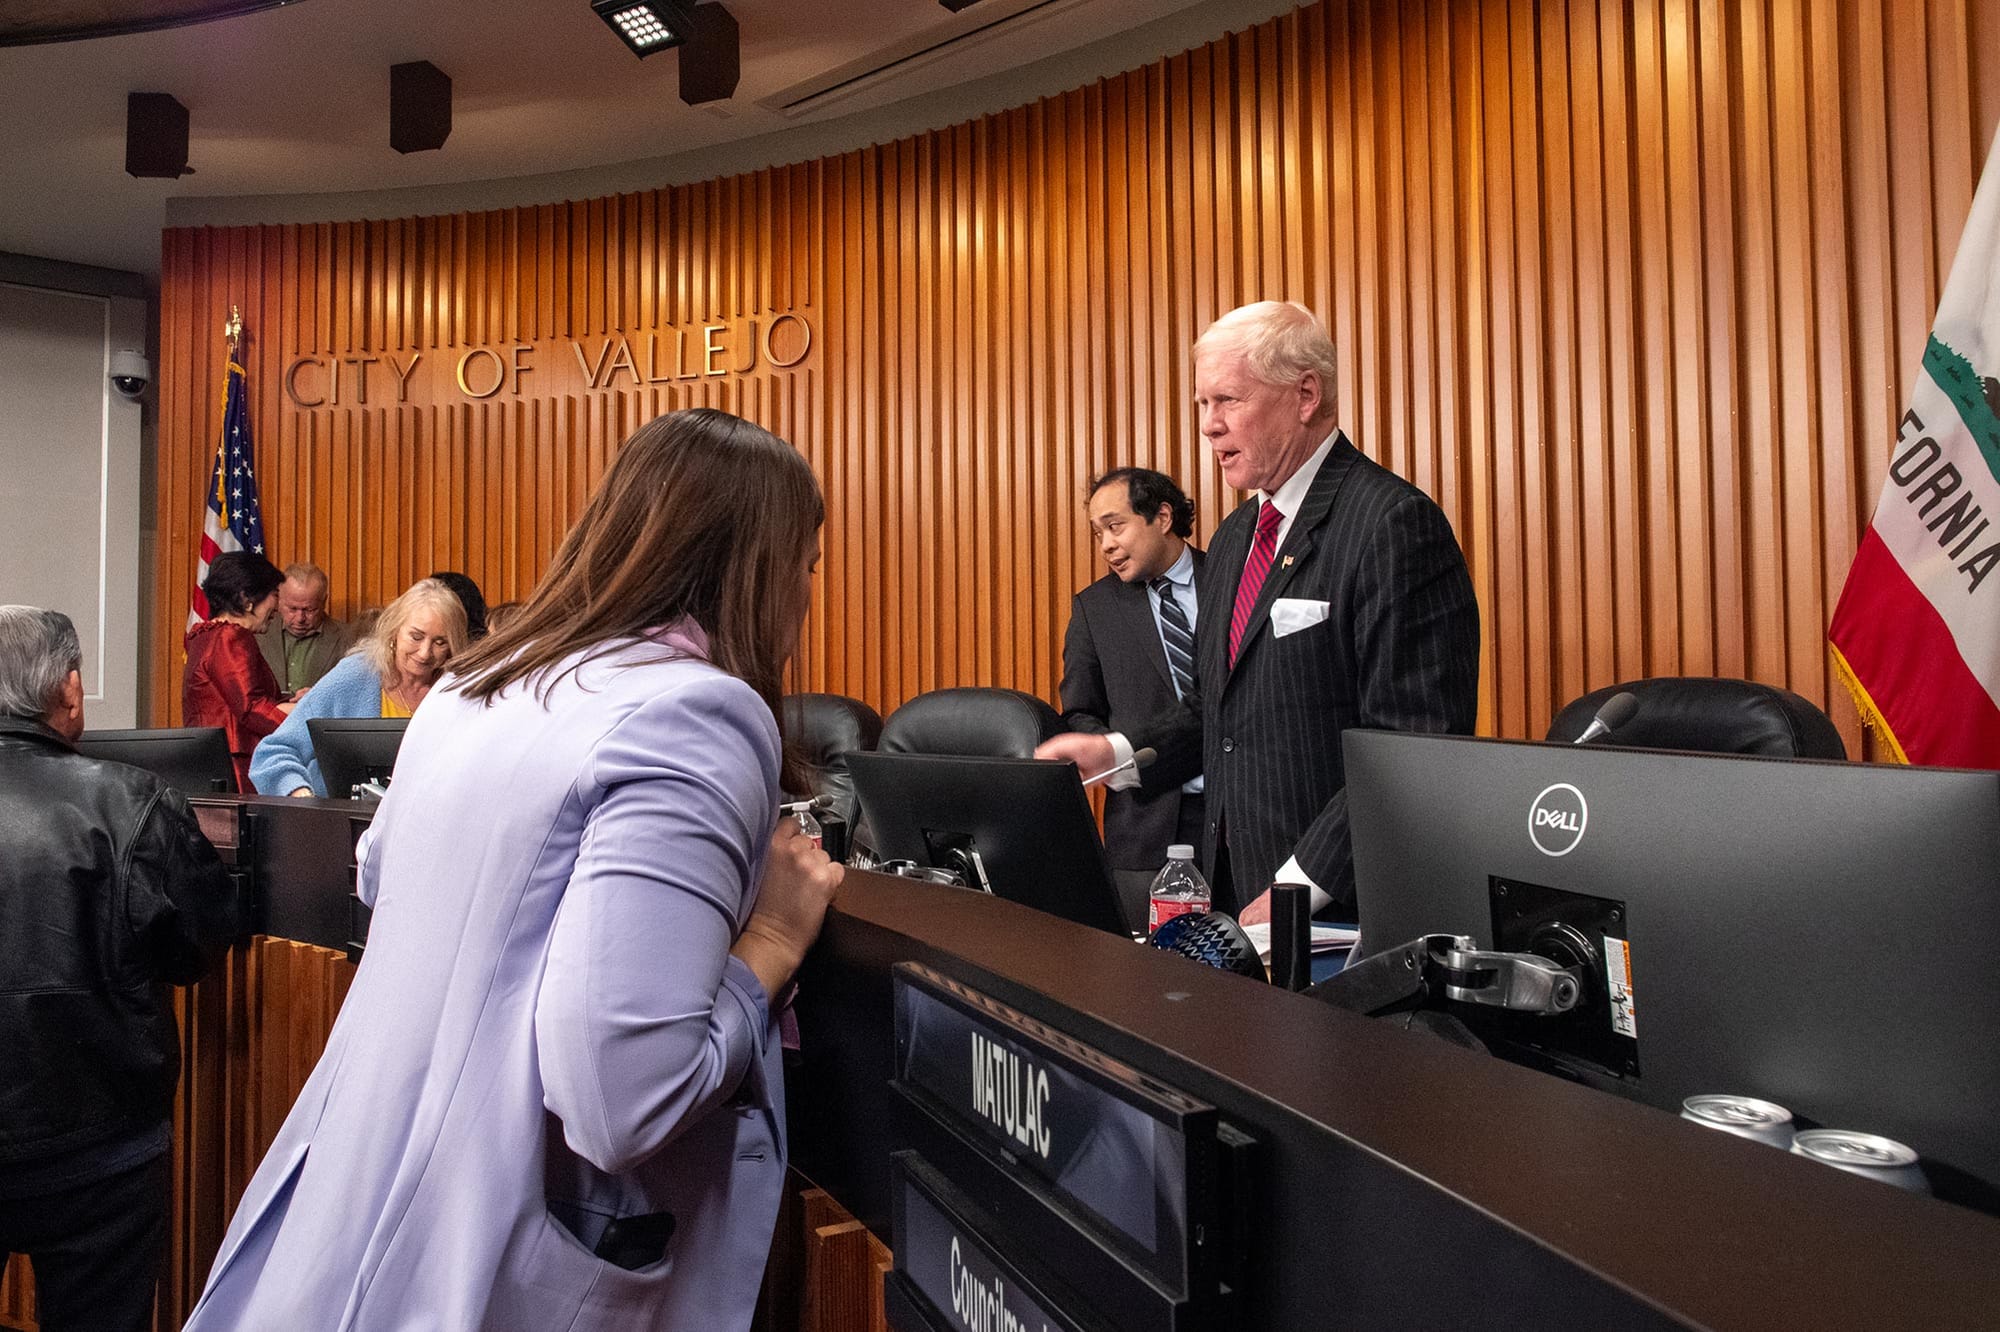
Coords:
131,372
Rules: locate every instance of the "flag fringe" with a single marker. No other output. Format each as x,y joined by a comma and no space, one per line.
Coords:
1871,715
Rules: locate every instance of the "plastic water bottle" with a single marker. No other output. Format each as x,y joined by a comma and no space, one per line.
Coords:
802,814
1177,889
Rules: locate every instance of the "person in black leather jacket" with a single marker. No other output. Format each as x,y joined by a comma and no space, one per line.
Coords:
109,893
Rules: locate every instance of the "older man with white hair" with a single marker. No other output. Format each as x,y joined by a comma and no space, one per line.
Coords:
303,642
1336,598
108,895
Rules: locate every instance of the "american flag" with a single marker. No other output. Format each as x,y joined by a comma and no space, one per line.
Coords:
234,521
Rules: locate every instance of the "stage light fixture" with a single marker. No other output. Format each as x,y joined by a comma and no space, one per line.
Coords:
645,26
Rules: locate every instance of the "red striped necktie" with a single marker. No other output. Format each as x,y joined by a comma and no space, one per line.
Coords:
1262,550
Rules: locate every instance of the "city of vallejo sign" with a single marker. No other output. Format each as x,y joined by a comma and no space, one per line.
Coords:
656,357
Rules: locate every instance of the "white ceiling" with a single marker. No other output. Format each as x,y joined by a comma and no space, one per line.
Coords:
294,101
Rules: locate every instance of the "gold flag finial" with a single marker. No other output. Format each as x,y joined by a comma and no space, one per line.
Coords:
233,330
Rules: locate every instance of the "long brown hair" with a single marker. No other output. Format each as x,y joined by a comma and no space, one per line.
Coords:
703,516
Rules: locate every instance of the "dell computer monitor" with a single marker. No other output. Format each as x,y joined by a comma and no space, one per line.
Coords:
1025,822
353,750
1817,934
192,759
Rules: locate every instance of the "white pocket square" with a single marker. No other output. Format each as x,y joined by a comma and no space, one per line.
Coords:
1291,614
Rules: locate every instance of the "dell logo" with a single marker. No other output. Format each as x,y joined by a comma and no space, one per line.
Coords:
1557,819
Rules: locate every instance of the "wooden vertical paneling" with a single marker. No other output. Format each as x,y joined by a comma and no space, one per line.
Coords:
1635,290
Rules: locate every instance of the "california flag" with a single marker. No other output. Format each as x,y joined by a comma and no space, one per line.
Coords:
1916,636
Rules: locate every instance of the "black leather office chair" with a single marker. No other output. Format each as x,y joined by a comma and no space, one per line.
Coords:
1711,716
997,723
824,729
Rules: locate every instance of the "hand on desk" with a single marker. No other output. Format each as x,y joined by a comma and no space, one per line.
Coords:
1091,753
1257,912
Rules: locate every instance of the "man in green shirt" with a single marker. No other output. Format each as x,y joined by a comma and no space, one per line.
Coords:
303,642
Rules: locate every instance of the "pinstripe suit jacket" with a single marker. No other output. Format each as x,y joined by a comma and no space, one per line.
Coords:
1398,649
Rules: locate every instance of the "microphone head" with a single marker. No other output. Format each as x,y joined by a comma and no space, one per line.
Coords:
1212,939
1142,757
1618,709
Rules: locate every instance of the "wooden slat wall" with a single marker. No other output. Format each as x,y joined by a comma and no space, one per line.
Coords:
1635,288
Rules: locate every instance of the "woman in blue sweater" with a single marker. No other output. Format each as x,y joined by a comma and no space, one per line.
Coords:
386,675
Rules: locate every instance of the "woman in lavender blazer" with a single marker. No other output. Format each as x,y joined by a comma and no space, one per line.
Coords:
553,1099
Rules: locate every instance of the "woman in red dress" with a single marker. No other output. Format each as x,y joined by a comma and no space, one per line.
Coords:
227,682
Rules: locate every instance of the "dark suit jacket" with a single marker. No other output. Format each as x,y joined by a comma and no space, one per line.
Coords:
1115,677
1398,649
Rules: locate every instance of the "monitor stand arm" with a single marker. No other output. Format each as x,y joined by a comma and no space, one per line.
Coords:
1451,967
1518,982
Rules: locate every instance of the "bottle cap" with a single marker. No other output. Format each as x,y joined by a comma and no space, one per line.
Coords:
1180,851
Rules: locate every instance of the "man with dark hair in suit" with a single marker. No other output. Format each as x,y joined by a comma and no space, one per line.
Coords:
1129,655
1337,598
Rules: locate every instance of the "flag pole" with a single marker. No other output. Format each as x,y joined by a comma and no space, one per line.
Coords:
232,329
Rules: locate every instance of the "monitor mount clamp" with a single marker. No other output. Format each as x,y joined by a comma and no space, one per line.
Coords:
1438,967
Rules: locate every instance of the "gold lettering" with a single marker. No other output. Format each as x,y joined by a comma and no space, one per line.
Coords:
621,361
360,364
292,383
591,371
521,367
751,342
403,373
710,348
334,367
653,375
771,338
499,373
681,370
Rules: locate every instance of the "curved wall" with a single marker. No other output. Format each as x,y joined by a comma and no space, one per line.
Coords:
1635,291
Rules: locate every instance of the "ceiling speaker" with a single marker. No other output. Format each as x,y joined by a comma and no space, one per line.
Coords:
711,59
419,107
156,136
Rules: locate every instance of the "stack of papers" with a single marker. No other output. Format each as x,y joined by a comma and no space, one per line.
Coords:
1325,938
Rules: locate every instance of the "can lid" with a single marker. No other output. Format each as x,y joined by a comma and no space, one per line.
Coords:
1180,851
1846,1147
1745,1111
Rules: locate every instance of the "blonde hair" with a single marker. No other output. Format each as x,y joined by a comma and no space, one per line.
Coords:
379,647
1278,340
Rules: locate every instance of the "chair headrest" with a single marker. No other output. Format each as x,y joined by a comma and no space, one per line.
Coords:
822,727
996,723
1712,716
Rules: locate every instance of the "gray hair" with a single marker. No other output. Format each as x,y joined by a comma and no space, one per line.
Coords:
305,573
38,650
1278,340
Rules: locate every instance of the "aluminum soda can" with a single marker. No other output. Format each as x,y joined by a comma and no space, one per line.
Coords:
1744,1116
1864,1154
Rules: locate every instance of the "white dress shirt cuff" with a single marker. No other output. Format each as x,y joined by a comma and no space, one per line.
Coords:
1121,754
1290,872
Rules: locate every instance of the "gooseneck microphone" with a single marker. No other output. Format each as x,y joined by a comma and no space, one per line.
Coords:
1140,758
1617,710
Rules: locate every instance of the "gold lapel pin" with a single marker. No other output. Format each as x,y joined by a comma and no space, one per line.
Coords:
1285,563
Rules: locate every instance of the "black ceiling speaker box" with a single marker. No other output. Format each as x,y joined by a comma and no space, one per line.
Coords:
710,61
156,136
419,107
